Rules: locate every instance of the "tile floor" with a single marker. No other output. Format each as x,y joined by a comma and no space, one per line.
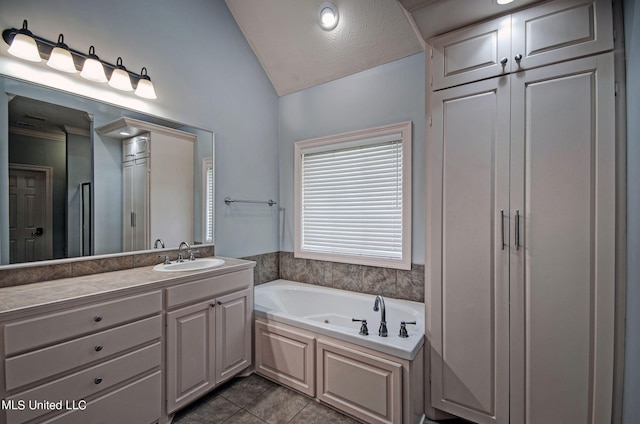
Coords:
255,400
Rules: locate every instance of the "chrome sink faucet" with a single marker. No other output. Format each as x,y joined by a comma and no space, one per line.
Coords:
379,305
158,241
180,255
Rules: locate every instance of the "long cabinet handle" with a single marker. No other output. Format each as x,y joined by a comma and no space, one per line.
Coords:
502,227
517,230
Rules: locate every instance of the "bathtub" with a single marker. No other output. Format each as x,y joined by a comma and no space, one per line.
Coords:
330,311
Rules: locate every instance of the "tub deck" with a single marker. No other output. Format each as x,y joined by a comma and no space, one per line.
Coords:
330,311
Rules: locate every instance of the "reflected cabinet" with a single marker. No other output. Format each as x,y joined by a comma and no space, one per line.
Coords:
522,233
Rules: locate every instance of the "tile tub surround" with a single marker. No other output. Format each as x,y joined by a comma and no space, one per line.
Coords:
267,267
399,284
15,275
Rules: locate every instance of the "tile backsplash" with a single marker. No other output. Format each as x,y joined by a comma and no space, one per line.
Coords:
388,282
46,271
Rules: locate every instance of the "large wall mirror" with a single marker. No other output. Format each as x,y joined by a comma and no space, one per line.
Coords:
67,177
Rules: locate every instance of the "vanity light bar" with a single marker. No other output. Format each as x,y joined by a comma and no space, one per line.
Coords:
24,44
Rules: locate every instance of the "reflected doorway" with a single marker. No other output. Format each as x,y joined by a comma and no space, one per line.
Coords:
30,216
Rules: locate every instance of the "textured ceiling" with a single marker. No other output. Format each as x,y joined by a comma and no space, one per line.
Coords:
296,53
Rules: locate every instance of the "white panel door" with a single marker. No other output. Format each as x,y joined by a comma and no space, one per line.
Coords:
562,268
470,252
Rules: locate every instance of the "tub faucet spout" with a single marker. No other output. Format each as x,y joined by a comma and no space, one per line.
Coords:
379,305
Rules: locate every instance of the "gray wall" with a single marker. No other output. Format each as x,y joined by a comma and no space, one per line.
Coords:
206,76
387,94
631,405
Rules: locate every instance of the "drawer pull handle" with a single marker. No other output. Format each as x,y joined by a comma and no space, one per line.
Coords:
97,380
98,348
97,318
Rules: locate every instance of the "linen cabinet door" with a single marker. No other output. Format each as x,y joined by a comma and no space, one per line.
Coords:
471,54
558,31
468,235
562,269
190,353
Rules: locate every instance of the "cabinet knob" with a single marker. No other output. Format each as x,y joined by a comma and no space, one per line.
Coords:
212,304
504,61
98,348
97,318
97,380
219,303
518,57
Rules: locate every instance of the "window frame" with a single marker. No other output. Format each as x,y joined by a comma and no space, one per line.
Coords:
334,142
207,163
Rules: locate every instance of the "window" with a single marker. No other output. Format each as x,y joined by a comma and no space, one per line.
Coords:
207,195
353,197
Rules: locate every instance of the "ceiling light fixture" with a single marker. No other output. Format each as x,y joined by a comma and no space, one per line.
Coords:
328,16
23,44
61,58
501,2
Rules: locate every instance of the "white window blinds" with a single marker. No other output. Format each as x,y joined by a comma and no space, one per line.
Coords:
352,200
209,202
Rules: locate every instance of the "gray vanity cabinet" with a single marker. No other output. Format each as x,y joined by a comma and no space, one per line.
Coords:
87,361
208,335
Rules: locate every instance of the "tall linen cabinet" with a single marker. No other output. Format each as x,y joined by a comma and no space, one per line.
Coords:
521,225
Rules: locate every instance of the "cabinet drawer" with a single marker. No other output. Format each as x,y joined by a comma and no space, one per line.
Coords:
360,384
208,287
24,335
286,355
138,402
88,382
33,366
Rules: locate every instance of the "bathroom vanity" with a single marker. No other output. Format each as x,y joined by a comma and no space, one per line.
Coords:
125,346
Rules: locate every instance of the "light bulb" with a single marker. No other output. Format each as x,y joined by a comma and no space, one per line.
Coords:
328,16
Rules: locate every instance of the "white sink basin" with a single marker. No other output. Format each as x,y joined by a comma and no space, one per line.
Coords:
197,265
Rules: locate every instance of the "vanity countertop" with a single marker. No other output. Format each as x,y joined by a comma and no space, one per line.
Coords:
50,293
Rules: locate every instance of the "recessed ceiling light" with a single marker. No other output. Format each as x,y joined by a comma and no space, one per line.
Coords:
503,1
124,133
328,16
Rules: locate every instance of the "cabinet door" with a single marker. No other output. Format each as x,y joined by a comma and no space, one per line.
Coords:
562,270
233,333
363,385
471,54
559,31
190,353
469,188
287,355
135,205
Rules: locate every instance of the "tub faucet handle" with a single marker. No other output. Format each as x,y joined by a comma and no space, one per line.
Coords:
364,331
403,328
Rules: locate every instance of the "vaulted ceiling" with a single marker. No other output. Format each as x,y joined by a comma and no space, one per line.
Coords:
296,53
